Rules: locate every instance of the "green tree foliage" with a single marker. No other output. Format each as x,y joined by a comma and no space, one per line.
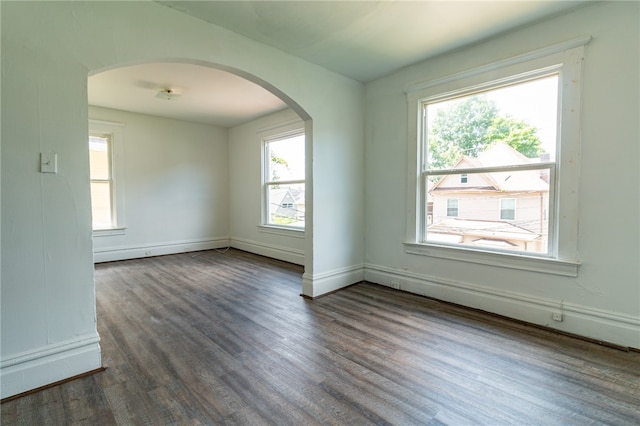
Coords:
517,134
275,161
470,126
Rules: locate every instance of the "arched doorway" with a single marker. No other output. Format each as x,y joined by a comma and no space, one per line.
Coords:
166,109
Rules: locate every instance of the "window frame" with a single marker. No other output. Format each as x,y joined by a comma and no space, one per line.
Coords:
109,173
550,166
278,133
114,133
565,59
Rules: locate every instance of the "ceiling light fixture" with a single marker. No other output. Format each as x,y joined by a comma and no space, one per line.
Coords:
167,94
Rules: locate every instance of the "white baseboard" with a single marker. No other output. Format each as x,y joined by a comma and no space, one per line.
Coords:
314,285
605,326
269,250
48,364
110,254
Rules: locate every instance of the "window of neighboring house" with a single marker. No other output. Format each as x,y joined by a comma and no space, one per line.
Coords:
452,207
510,132
284,180
508,209
107,201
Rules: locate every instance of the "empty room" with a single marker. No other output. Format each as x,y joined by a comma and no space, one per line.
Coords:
291,212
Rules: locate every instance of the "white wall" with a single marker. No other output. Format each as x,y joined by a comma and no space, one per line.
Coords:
190,186
245,171
603,302
335,154
48,50
175,187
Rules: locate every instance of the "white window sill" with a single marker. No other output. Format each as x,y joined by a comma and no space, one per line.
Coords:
567,268
108,232
282,230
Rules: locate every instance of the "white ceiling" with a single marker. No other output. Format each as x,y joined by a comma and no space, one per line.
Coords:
363,40
206,95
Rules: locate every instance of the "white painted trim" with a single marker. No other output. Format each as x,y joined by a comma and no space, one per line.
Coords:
547,265
607,326
292,125
109,232
307,285
529,56
284,231
318,284
110,254
563,198
282,131
286,254
31,369
104,123
116,131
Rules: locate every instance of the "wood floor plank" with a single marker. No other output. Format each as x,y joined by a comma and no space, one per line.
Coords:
223,338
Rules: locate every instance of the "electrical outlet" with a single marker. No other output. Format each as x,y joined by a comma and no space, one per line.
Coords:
557,316
395,284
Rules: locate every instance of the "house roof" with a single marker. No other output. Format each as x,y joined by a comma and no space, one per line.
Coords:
501,154
483,228
280,193
498,154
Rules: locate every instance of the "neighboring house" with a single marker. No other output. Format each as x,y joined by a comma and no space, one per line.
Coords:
506,210
287,203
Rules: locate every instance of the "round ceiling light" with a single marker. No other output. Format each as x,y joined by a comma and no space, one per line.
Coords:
167,94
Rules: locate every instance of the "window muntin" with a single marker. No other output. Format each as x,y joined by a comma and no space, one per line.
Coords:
479,145
284,180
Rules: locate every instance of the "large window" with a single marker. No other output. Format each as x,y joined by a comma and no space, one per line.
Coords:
107,202
101,181
502,149
496,154
284,180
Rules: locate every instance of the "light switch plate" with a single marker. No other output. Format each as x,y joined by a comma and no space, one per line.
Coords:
48,162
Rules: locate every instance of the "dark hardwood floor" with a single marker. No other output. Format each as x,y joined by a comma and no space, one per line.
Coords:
225,338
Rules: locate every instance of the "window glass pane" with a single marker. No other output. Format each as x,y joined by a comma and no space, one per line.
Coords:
99,157
479,215
101,204
286,159
452,207
286,204
508,208
522,117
